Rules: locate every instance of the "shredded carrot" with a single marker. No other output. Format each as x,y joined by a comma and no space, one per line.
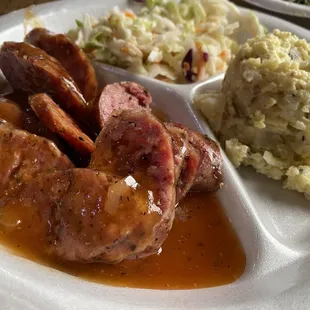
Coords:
198,46
199,28
201,61
223,54
124,49
129,14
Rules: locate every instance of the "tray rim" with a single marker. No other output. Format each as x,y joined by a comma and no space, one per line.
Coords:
8,21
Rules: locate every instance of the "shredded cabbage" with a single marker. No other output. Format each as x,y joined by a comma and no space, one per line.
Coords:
155,41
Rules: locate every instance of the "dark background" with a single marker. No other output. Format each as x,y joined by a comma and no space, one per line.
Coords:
7,6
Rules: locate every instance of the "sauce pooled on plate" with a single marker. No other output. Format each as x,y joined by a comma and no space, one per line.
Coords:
202,250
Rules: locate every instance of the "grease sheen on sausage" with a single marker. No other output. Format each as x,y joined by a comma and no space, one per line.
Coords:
59,122
73,59
23,156
135,143
30,69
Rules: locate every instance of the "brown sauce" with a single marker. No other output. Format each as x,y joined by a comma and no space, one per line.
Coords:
202,250
160,114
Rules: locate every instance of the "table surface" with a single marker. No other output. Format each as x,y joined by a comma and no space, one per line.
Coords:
7,6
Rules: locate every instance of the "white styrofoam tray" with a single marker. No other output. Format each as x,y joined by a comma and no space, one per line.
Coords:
272,224
284,7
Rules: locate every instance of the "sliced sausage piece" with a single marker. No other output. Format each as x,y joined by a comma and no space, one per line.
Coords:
189,171
179,145
72,58
209,177
30,69
24,118
23,156
59,122
12,113
85,219
121,96
135,143
5,87
188,167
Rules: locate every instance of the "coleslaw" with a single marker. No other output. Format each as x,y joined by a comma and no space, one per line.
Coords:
178,42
